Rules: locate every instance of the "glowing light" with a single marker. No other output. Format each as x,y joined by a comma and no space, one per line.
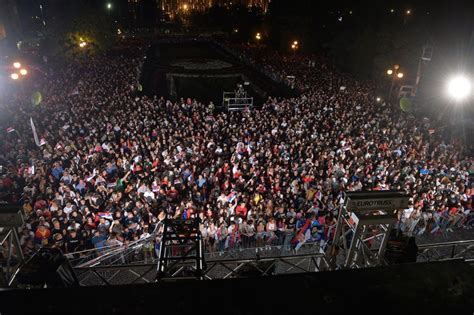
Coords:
378,99
389,71
109,5
14,76
396,67
408,12
23,72
295,43
82,44
258,36
185,7
400,75
392,10
459,88
17,65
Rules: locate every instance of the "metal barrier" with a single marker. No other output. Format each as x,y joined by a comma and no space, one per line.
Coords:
137,252
216,269
255,262
446,250
233,101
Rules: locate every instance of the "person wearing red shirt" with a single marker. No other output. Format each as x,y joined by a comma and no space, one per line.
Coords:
241,210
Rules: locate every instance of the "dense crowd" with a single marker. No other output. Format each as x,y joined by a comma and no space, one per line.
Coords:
114,164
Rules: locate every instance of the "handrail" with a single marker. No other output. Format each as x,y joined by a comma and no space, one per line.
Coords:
69,255
114,252
211,261
433,245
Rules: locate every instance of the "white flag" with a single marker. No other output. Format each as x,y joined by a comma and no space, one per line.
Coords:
35,135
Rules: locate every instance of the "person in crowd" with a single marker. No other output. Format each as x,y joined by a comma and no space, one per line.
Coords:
113,164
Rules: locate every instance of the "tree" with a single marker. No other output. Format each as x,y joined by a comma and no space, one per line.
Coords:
88,34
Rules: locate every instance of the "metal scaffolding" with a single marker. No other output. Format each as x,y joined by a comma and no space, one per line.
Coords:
238,268
181,242
363,227
216,269
11,218
233,101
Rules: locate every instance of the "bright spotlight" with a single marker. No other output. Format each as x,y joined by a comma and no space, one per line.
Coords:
23,72
389,71
400,75
459,88
17,65
378,99
14,76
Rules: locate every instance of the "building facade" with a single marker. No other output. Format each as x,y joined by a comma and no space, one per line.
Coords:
173,6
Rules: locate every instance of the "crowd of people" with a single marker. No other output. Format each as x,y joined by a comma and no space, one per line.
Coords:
112,164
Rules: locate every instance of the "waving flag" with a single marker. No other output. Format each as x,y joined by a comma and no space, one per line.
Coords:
35,135
231,196
10,129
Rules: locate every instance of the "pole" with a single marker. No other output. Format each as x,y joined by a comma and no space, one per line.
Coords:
42,15
391,87
418,74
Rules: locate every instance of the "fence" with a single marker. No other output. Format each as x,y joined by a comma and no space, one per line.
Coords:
446,250
269,262
146,251
216,269
436,223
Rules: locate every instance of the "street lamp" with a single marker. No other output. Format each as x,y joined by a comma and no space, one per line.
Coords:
258,36
109,6
394,74
23,72
16,65
459,88
294,46
14,76
185,7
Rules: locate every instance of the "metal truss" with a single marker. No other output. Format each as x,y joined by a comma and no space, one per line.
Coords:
238,268
10,239
363,227
181,243
216,269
